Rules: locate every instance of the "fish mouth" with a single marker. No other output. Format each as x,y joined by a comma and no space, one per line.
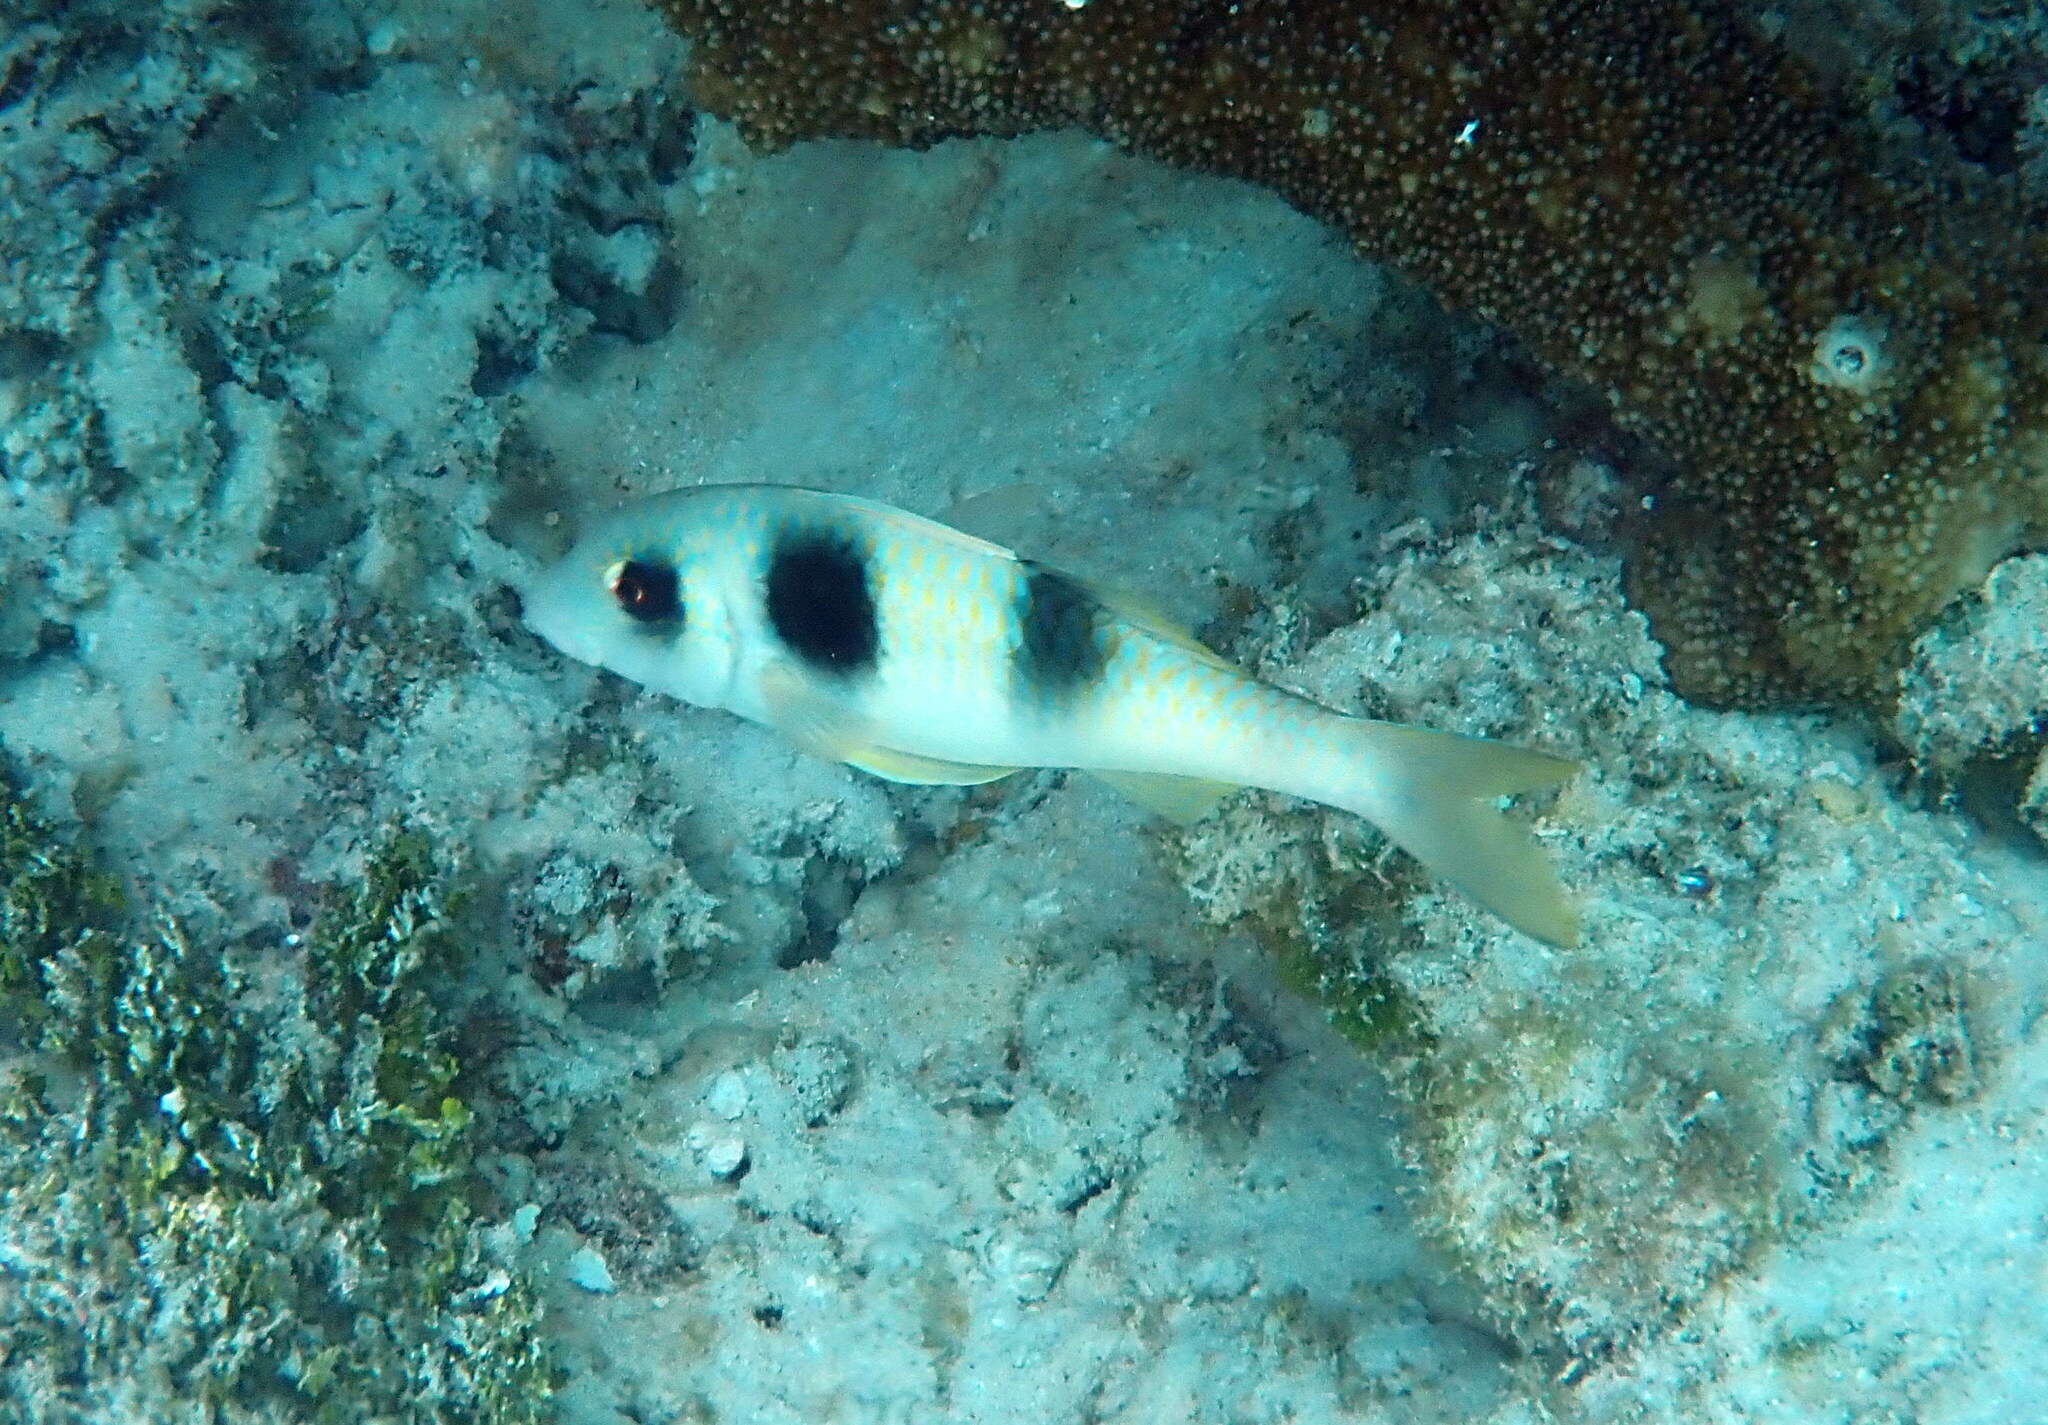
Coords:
551,607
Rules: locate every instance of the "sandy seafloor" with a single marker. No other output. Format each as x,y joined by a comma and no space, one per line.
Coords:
841,1101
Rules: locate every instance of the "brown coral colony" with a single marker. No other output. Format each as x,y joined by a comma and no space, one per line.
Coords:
1847,375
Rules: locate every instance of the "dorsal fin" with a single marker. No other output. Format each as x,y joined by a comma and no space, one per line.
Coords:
893,516
1140,612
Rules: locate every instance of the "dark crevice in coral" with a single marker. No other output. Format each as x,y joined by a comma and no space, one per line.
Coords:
639,316
1991,789
15,80
831,886
1982,120
309,523
25,354
501,364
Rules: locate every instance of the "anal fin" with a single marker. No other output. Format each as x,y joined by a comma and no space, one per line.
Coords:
898,766
1181,800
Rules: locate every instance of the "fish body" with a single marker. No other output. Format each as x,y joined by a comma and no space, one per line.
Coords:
922,654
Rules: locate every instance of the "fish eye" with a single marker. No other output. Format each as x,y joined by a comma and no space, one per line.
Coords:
646,589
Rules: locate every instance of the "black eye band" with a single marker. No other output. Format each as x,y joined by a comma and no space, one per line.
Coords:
648,590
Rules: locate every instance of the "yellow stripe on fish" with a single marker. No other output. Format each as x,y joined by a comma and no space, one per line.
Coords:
922,654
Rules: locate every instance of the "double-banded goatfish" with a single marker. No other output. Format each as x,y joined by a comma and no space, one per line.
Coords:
922,654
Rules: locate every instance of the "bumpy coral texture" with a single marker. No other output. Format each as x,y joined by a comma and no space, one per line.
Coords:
1847,376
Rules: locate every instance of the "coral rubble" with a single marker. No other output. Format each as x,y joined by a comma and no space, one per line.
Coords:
1847,372
1792,969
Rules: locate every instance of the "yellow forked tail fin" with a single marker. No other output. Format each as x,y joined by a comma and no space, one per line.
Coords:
1434,794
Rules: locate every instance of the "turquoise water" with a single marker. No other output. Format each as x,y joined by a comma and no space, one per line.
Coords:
443,1027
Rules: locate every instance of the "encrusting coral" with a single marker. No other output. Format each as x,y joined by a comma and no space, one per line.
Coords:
1847,374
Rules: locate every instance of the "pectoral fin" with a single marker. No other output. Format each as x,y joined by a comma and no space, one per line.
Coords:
822,727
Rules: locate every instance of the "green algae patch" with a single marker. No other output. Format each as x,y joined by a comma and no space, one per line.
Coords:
1332,932
51,900
237,1184
1367,1007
